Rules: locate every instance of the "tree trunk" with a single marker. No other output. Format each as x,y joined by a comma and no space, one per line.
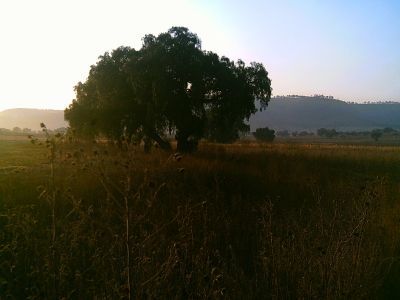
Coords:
147,144
185,145
163,144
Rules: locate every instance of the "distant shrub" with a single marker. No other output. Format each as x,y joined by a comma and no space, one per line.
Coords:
389,130
329,133
376,134
264,134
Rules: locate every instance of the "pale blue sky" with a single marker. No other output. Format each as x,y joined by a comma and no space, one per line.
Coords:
348,49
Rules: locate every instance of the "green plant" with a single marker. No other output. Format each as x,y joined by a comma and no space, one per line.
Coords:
264,134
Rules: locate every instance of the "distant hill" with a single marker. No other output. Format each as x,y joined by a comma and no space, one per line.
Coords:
310,113
31,118
283,113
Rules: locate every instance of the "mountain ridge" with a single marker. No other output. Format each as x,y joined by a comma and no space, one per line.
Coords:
31,118
291,113
311,113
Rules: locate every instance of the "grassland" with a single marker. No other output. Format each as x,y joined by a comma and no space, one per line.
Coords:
242,221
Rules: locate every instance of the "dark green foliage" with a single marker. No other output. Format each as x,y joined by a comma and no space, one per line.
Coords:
104,103
233,95
169,85
264,134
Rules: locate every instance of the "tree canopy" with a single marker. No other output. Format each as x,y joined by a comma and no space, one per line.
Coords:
264,134
169,85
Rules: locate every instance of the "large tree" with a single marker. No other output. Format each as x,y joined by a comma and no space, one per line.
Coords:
170,84
104,102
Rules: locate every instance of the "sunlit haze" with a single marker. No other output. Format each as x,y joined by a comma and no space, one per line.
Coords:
348,49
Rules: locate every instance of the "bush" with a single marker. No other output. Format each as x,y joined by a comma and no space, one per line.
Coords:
264,134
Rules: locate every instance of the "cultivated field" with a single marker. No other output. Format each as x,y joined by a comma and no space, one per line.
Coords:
242,221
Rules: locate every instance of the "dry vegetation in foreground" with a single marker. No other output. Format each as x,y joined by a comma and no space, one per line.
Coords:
245,221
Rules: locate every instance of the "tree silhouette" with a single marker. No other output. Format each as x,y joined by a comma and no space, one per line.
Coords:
169,85
264,134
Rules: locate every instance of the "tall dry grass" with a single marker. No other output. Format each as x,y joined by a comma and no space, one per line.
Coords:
238,222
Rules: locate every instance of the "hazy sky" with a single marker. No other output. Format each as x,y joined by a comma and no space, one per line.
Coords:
348,49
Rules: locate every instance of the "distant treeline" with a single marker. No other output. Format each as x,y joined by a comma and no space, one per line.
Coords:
318,96
27,131
331,133
302,96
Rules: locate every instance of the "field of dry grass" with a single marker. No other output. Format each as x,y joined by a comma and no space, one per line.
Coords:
241,221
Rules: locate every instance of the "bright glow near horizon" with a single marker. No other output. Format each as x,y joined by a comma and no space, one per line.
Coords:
348,50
